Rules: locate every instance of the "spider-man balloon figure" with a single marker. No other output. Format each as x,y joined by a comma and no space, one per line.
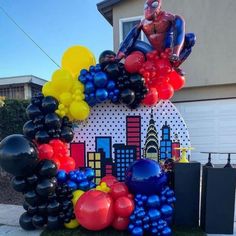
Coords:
163,30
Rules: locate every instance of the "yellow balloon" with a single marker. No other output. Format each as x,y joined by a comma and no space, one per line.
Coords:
79,110
72,224
77,58
76,195
62,80
48,90
66,98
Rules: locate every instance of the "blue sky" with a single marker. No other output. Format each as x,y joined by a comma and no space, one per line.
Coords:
55,25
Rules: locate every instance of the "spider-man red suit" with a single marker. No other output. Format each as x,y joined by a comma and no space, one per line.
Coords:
163,30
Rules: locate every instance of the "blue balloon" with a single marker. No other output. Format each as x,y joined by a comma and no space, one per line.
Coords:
101,95
98,68
166,231
84,185
154,224
83,72
117,92
92,68
138,223
154,231
146,219
111,85
166,210
131,227
61,176
111,95
154,214
153,201
137,231
145,176
89,173
82,79
170,193
100,79
132,218
72,185
89,88
141,215
89,77
92,185
73,177
146,227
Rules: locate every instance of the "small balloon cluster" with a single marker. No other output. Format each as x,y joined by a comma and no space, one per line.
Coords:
58,152
81,179
131,86
110,204
44,123
161,78
98,87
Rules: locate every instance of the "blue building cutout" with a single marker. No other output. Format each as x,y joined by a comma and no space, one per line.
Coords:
166,143
124,156
104,143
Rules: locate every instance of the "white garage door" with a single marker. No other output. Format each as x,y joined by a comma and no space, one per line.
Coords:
212,127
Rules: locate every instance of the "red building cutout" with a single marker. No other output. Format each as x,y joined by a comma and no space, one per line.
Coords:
77,151
176,144
133,133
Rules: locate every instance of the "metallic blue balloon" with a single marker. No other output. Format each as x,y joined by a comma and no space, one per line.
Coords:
146,219
79,179
100,79
145,176
84,185
83,72
144,198
82,79
137,231
111,85
141,215
154,214
146,227
92,185
166,231
138,223
89,87
61,176
166,210
117,92
154,224
89,77
72,185
132,218
98,68
130,227
92,68
153,201
101,95
89,173
154,231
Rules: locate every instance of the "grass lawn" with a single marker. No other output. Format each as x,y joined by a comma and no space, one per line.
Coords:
111,232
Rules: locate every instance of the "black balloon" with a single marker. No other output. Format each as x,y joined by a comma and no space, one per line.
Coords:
49,104
112,70
47,168
42,209
45,187
39,119
53,207
18,155
19,184
38,221
52,121
127,96
32,210
26,222
29,129
33,111
32,198
25,206
67,134
32,180
53,222
106,57
42,137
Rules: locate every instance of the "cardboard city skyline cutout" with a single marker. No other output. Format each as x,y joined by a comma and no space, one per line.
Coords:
114,136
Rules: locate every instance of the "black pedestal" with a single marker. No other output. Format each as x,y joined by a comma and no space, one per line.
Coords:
218,200
187,190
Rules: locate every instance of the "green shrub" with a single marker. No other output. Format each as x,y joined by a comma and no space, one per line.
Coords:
12,117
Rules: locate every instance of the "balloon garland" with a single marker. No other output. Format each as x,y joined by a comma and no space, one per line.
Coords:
56,194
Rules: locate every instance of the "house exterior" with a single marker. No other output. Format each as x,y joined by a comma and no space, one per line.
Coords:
208,101
20,87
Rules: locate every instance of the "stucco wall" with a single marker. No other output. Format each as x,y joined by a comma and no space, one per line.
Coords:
213,59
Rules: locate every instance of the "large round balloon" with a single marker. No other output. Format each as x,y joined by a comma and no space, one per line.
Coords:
18,156
145,176
77,58
94,210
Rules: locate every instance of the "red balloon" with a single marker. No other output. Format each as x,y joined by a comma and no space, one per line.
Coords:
165,91
134,62
119,190
151,98
109,180
56,160
45,151
163,66
120,223
67,164
176,80
94,210
124,206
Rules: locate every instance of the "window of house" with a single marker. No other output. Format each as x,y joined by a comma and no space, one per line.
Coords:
126,24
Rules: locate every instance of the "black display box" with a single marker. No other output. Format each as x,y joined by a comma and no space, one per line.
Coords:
187,190
218,200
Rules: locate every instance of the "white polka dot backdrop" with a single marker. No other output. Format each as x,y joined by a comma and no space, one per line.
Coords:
110,120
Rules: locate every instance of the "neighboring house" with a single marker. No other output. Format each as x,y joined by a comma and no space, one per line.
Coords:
20,87
208,102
